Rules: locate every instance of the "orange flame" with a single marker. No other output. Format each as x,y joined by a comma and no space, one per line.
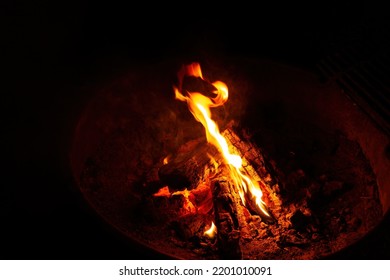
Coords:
166,160
212,231
200,105
164,191
188,206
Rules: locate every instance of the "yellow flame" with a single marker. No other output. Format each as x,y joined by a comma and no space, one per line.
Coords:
200,105
188,206
212,231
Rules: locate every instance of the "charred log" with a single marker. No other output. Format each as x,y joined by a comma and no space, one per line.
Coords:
187,168
254,157
189,226
226,220
257,168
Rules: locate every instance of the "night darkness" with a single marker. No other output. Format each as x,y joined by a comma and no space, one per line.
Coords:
55,50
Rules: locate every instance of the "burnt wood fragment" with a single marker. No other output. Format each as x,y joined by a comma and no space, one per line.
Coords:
188,167
258,170
226,220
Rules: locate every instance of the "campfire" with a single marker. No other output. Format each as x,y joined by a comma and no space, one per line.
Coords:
201,184
219,183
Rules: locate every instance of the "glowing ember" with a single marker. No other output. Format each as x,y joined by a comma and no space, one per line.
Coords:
164,191
188,206
200,105
212,231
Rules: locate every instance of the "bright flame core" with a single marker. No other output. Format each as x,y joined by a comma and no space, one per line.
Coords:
200,105
212,231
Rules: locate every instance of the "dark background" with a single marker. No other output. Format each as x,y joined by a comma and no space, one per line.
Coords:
53,50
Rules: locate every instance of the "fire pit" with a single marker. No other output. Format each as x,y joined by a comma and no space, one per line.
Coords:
282,168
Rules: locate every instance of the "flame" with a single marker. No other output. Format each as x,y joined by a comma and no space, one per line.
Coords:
188,206
164,191
212,231
200,105
203,198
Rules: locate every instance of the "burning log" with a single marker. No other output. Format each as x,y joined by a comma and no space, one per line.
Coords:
192,164
226,219
189,166
189,226
257,168
254,157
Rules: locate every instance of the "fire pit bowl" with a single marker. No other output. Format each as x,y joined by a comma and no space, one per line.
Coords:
327,157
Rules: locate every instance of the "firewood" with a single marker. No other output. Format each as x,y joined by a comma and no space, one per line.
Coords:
189,226
189,166
253,159
226,219
258,169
